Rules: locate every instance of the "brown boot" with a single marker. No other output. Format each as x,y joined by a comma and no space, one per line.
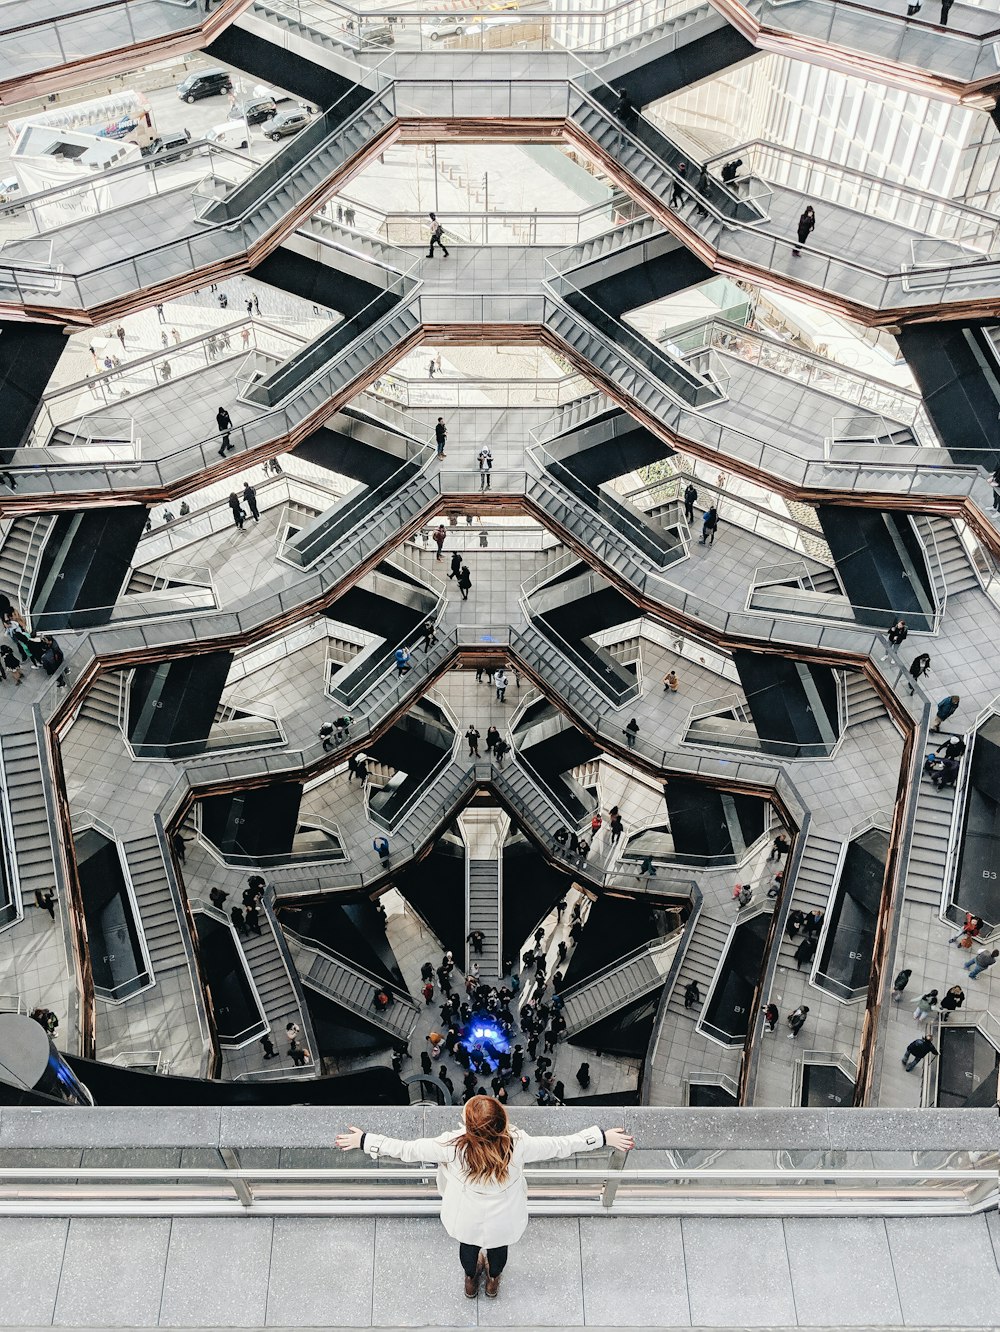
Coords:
472,1282
492,1284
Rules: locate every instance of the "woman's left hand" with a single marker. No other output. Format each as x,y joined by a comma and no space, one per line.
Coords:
350,1141
619,1139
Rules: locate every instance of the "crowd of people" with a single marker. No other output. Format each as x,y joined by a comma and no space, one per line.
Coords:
497,1048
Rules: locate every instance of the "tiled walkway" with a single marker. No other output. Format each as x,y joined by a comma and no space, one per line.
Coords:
599,1272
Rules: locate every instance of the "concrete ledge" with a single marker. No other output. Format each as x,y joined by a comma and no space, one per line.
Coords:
308,1126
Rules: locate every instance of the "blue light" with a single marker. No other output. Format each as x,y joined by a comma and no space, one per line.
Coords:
483,1035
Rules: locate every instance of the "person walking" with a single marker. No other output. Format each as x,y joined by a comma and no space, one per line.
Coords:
895,635
917,1050
677,192
690,496
441,437
900,984
225,423
983,959
380,845
250,500
945,11
456,564
670,682
630,732
439,536
465,582
120,335
492,738
477,938
807,225
239,517
709,526
771,1016
945,708
952,1002
919,666
484,1195
485,460
500,681
797,1020
472,735
436,237
401,658
692,994
926,1005
615,827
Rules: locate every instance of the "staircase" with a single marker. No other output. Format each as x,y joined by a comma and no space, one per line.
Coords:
161,926
863,702
670,27
32,850
266,964
950,568
19,556
925,869
483,896
304,165
103,700
352,988
812,887
624,981
276,14
701,958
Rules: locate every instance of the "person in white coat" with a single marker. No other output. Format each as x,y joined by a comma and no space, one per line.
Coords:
484,1195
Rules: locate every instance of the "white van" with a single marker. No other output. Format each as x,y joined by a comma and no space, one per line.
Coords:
230,134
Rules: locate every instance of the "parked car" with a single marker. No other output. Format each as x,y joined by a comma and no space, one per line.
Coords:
230,134
375,35
255,110
441,28
286,123
204,83
174,143
10,196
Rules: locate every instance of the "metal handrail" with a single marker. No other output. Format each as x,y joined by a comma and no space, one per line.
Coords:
651,948
325,951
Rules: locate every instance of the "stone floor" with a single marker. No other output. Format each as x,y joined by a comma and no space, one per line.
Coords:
593,1271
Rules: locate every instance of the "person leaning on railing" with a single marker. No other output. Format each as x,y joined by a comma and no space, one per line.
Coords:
484,1195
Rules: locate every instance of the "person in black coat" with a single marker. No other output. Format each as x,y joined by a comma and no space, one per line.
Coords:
807,224
805,952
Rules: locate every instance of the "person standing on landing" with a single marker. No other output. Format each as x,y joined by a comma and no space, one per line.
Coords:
484,1195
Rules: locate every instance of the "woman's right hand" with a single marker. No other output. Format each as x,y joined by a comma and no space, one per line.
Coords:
619,1139
350,1141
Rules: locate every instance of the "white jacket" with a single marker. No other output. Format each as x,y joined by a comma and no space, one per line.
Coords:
487,1215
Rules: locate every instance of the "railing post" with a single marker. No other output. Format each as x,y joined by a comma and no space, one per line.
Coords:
610,1189
241,1188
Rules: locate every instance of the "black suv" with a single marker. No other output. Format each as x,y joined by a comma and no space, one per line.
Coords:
204,83
255,110
174,142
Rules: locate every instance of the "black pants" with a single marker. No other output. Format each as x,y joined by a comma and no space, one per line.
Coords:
469,1257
